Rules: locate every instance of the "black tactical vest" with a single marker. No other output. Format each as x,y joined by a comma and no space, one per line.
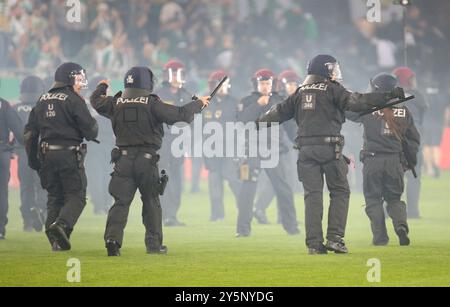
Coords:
317,113
134,124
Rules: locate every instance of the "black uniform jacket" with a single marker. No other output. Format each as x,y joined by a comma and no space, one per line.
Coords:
138,121
319,106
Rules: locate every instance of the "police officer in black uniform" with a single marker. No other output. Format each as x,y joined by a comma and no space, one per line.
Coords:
32,196
288,82
388,134
137,117
98,168
222,111
9,122
54,134
318,107
173,93
249,110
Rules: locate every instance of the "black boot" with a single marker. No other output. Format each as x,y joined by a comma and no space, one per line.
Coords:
337,246
293,232
173,223
57,233
27,228
382,242
317,249
402,234
242,235
161,250
113,248
261,217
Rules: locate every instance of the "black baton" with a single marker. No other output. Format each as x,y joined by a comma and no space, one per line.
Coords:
215,91
391,104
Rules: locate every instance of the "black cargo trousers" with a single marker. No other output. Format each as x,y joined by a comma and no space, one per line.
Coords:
136,169
171,199
63,176
384,182
283,193
219,170
314,162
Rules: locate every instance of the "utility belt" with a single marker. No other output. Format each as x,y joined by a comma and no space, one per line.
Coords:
337,141
79,150
45,147
132,153
364,154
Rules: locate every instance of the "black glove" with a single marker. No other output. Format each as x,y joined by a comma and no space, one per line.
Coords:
103,87
397,92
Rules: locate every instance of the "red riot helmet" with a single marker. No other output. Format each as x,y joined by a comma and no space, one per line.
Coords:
286,77
174,71
263,75
406,77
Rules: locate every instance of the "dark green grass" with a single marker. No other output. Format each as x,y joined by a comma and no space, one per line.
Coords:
207,254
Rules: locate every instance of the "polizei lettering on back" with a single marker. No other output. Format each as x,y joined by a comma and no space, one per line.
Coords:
141,100
25,108
317,86
54,96
398,112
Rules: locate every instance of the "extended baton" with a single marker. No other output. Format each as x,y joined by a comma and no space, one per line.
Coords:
216,89
219,86
391,104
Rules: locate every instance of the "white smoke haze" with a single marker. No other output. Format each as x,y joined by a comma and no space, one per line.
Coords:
108,37
242,141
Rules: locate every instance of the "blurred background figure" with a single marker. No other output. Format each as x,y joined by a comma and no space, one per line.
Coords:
250,108
435,123
418,108
172,92
287,83
9,122
32,196
220,168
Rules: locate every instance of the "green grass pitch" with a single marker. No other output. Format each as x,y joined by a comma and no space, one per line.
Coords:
207,254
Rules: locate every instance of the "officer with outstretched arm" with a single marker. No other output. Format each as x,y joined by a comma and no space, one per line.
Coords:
318,107
137,118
